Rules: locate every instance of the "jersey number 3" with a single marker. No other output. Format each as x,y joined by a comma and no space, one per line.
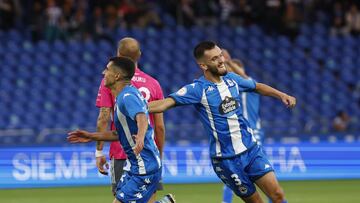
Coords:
236,179
145,92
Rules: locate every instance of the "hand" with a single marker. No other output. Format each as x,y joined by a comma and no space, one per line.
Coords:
289,101
139,145
79,136
100,163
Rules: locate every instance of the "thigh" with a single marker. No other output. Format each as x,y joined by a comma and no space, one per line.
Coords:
231,172
137,188
268,184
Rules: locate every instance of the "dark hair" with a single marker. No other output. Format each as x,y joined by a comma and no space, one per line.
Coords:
125,65
200,49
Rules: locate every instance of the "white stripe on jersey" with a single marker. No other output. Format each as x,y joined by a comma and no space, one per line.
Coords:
244,105
205,103
233,122
157,157
129,138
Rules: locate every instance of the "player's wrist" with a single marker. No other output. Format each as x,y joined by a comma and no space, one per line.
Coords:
98,153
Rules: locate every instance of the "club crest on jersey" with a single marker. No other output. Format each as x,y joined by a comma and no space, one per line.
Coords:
230,83
182,91
228,105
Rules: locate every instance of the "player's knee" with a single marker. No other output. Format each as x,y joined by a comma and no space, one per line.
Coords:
278,195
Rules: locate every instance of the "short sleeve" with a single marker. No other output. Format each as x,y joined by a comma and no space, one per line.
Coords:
189,94
104,97
131,105
245,85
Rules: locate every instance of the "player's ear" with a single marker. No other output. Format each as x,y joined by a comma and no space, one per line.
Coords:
203,66
118,76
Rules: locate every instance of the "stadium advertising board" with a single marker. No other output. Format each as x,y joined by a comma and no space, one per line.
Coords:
23,167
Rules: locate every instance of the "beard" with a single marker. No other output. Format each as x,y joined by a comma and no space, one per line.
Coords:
108,83
217,70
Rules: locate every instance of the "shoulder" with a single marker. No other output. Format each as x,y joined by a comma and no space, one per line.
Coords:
129,93
150,79
142,78
233,76
195,87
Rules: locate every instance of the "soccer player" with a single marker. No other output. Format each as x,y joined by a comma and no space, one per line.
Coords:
250,103
236,157
131,120
151,90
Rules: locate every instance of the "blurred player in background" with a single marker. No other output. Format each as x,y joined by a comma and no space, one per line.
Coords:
250,103
236,157
151,91
133,130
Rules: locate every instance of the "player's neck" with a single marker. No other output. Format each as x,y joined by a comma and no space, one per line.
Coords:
119,87
212,78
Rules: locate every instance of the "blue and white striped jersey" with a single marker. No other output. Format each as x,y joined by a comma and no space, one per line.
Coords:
219,106
250,102
128,104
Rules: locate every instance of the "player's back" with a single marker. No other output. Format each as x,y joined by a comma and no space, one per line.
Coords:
129,103
148,86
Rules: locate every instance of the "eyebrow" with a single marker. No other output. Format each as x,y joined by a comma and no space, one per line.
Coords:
214,57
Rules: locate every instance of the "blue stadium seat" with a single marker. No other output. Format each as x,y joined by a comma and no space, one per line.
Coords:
64,76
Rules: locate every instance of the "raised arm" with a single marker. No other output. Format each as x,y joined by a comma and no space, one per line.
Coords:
266,90
160,106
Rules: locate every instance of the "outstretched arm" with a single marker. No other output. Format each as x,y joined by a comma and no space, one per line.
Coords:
160,106
83,136
266,90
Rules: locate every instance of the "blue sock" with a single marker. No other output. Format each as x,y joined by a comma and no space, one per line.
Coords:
227,195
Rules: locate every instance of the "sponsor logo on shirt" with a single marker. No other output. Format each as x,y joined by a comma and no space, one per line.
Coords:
228,105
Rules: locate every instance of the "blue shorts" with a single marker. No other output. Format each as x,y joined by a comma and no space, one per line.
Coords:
137,188
240,172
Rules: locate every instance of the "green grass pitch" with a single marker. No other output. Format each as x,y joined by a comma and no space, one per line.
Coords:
342,191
